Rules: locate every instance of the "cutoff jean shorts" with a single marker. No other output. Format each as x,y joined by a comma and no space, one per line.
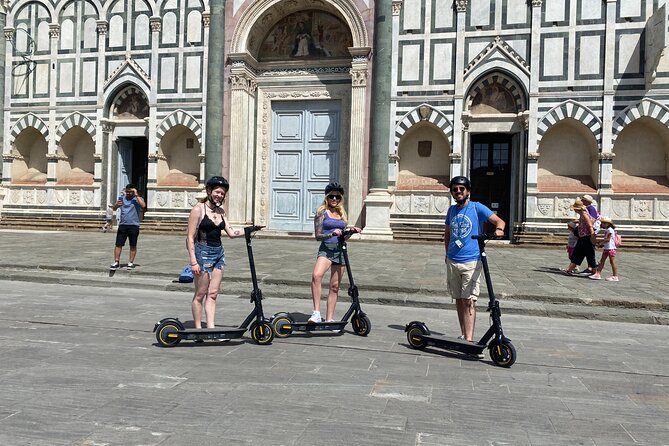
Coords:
209,257
463,279
332,252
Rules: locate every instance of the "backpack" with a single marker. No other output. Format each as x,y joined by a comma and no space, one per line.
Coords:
186,275
617,239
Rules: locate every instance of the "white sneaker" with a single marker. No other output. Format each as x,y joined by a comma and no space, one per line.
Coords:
315,318
130,266
461,337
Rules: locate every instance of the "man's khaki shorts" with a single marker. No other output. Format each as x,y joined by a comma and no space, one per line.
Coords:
463,279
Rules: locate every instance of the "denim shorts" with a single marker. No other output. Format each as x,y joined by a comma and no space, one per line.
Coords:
332,252
209,257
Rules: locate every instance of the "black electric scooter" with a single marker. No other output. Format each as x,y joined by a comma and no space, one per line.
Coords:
284,324
501,350
170,331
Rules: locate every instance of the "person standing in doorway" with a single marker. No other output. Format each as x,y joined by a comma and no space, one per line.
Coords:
132,207
465,219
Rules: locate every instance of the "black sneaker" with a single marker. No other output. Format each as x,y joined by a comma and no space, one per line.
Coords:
130,266
114,266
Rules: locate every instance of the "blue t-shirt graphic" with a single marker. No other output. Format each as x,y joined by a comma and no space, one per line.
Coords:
466,222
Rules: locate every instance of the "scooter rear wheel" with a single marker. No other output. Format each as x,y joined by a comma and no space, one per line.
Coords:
415,337
282,324
502,354
361,325
166,334
262,333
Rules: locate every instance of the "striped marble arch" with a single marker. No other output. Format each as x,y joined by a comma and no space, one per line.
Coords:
28,120
574,110
505,81
644,108
179,117
76,119
424,112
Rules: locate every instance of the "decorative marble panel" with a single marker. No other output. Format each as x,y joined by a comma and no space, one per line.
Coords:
421,203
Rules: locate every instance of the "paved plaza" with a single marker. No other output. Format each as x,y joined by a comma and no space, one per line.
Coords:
81,366
526,278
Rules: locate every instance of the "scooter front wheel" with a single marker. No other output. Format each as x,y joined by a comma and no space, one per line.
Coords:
361,325
502,354
167,334
262,333
415,337
282,324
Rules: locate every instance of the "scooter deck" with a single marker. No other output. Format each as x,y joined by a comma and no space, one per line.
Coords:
317,326
192,334
453,344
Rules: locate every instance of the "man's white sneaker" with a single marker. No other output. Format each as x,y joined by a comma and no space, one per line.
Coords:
315,317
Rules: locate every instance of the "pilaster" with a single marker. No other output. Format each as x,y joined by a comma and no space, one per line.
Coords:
357,134
242,101
533,118
3,52
54,34
606,150
459,146
103,157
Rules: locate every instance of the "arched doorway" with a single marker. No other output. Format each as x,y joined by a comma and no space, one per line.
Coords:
128,114
298,87
495,121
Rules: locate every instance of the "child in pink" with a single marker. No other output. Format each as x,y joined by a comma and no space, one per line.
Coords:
609,244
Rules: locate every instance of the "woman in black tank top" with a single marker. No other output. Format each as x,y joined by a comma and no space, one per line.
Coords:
206,223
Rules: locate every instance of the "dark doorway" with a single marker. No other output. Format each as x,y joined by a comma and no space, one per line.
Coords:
133,163
490,172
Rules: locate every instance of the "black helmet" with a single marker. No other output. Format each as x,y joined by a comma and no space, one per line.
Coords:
217,181
334,187
464,181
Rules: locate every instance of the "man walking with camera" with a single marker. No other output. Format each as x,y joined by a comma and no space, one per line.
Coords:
132,207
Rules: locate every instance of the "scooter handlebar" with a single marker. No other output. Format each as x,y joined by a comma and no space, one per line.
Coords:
248,230
490,236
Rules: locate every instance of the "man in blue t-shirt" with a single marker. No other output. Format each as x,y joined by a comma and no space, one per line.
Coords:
463,259
132,206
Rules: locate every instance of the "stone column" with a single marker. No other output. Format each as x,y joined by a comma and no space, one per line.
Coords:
458,99
206,21
355,189
52,162
378,201
242,102
213,143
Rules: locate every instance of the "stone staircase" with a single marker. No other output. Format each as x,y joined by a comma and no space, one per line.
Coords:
407,232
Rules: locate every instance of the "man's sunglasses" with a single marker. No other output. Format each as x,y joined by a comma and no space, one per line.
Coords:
334,197
458,189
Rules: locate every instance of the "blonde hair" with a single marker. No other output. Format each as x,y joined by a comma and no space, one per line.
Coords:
340,208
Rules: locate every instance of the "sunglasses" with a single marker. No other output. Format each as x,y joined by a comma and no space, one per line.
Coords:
458,189
334,197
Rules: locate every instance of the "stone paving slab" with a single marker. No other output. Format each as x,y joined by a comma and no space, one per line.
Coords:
82,368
